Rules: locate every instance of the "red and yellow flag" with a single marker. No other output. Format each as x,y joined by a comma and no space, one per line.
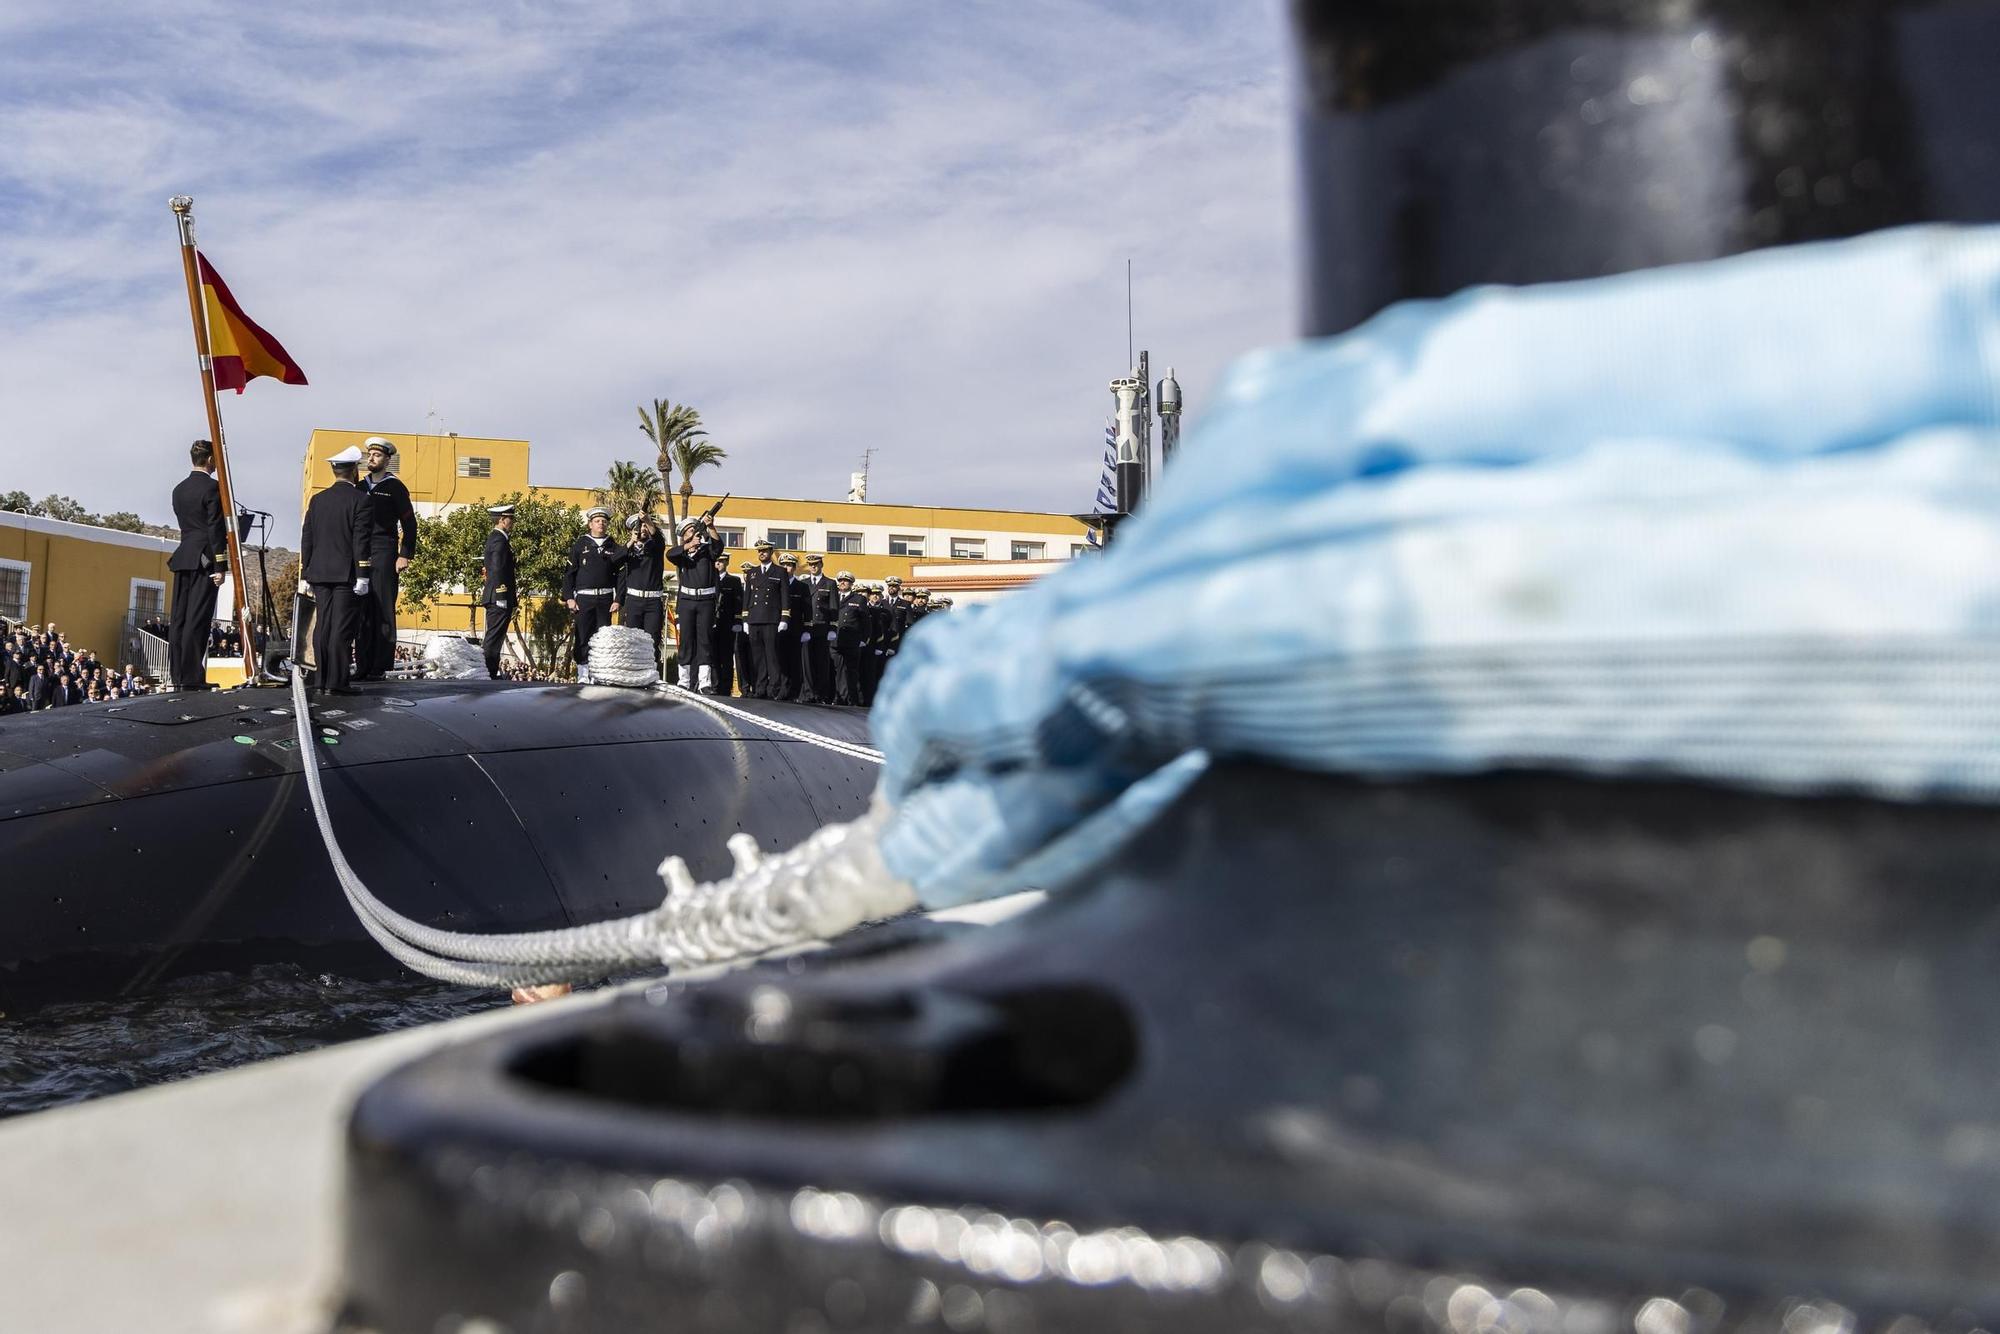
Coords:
238,348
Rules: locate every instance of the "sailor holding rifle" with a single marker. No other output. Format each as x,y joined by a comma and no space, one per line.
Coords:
391,546
695,600
497,593
590,584
640,584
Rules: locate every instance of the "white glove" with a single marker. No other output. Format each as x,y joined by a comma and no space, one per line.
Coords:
742,629
304,588
782,625
360,586
805,637
892,653
500,604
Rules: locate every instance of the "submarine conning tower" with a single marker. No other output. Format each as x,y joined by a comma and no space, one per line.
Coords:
1460,142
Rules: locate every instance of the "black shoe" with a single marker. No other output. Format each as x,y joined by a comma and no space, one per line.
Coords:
342,690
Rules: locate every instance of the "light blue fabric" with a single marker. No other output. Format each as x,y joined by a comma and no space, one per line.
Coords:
1737,520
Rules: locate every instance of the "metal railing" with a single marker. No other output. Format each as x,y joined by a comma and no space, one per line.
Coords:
144,648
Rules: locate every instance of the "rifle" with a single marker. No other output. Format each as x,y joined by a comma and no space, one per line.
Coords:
708,515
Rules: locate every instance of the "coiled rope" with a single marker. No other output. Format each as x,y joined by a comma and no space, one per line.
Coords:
832,882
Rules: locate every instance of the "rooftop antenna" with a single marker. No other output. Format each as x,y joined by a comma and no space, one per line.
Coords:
1128,311
857,483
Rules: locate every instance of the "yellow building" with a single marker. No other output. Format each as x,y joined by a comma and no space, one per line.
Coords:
90,582
873,541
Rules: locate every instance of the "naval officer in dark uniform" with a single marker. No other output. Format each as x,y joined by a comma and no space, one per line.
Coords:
746,644
198,563
695,600
497,594
817,603
392,544
590,584
850,638
641,582
334,560
728,625
764,600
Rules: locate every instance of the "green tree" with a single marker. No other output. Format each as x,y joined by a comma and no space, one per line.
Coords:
16,502
125,521
61,507
629,488
668,426
451,546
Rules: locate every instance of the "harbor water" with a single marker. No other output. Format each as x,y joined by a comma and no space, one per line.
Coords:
68,1053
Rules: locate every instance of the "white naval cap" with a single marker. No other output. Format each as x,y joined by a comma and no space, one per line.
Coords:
348,455
381,443
597,512
499,509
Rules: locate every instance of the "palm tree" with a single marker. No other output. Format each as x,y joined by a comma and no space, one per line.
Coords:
690,457
667,426
630,488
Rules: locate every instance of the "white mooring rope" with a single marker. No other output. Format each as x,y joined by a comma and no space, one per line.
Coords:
830,883
852,749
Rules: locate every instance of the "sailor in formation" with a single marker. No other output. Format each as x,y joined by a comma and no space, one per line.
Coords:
392,543
876,654
850,639
815,604
198,563
334,561
590,583
788,631
745,647
695,601
497,594
643,579
728,630
765,597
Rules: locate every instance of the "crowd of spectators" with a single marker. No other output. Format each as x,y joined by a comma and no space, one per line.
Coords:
40,669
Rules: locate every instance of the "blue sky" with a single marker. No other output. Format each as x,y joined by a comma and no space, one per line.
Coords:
829,227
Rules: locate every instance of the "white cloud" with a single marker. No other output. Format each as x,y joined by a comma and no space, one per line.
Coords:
891,225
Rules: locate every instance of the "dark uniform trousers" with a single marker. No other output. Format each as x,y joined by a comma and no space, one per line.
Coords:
593,613
335,611
697,618
723,654
745,653
642,612
187,628
495,639
375,642
764,649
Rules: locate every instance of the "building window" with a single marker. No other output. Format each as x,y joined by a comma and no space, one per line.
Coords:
1028,550
967,548
843,544
731,537
1077,549
14,589
788,539
900,545
472,466
149,599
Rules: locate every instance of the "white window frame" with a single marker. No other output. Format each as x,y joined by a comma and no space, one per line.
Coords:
132,596
733,538
798,535
975,548
482,473
1077,549
835,539
1036,550
912,545
27,588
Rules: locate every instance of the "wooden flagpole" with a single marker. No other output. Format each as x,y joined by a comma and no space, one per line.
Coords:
183,207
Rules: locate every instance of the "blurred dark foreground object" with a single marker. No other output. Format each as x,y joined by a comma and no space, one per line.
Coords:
1448,143
1512,1053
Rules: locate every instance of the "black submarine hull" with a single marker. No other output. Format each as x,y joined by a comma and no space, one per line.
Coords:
173,834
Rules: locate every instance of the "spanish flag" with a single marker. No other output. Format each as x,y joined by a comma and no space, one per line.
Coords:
239,350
